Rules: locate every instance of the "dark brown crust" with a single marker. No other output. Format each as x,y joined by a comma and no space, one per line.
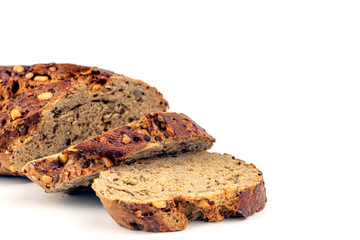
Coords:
180,211
19,92
14,83
113,148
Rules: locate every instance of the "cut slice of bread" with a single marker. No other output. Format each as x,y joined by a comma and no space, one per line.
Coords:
166,193
155,134
46,108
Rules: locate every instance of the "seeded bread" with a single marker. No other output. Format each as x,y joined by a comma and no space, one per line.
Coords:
46,108
166,193
155,134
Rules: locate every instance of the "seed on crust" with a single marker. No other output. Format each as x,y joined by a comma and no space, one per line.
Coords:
126,139
12,168
45,96
63,158
97,87
52,69
229,193
203,204
71,149
41,78
46,178
107,162
29,75
18,68
138,213
15,114
159,204
161,118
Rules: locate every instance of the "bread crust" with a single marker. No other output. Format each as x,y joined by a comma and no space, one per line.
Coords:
6,172
117,146
178,212
27,91
14,82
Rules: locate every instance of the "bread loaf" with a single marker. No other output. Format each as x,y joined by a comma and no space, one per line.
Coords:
46,108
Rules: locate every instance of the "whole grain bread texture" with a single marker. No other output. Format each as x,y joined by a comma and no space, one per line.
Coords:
46,108
155,134
166,193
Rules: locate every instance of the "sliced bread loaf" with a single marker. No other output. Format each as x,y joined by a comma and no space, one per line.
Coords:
155,134
166,193
46,108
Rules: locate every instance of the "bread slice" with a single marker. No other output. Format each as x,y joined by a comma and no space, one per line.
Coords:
46,108
155,134
166,193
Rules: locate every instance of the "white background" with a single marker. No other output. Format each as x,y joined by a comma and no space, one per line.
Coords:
275,82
